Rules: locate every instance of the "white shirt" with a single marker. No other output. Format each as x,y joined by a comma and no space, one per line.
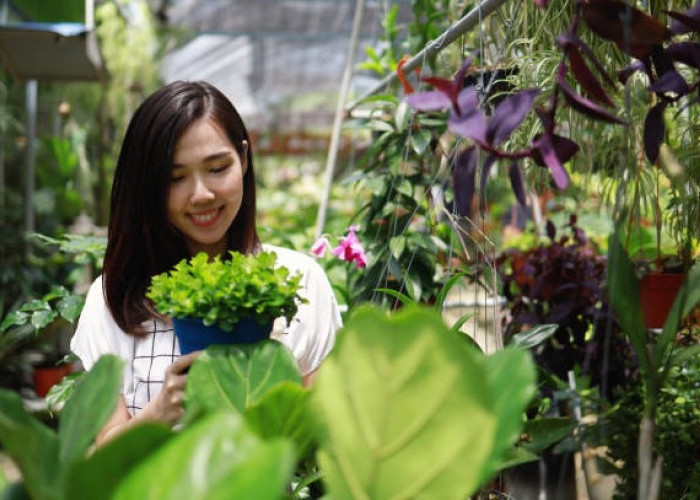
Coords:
309,337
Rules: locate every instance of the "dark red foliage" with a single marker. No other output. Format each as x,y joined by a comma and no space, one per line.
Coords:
654,129
550,283
685,22
516,182
463,179
586,78
561,282
585,106
633,31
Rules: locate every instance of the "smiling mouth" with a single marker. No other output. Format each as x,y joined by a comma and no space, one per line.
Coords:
205,219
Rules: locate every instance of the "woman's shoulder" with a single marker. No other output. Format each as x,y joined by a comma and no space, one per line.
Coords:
95,292
293,260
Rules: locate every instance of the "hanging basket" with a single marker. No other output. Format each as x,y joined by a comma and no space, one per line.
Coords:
193,335
657,291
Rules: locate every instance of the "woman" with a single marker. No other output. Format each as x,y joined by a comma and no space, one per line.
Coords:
184,183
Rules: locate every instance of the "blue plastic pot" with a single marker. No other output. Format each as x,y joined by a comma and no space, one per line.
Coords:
194,335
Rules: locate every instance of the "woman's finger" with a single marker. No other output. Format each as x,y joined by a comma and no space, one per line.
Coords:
181,364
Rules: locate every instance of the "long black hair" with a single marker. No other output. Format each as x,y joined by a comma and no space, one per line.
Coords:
141,242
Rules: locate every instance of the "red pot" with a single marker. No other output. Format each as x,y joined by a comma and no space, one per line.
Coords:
657,291
47,376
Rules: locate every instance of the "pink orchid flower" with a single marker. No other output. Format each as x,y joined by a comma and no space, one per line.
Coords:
350,249
320,246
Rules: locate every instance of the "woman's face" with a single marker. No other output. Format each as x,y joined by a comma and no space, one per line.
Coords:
206,187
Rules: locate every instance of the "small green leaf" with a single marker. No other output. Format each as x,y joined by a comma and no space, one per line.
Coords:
380,126
397,245
518,456
420,140
460,321
56,292
62,391
42,318
69,307
35,305
403,298
402,116
445,290
534,336
15,318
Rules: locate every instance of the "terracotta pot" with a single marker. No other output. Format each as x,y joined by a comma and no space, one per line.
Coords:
193,335
657,291
45,377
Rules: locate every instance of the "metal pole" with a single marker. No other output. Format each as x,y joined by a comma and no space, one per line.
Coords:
89,14
338,119
460,27
31,90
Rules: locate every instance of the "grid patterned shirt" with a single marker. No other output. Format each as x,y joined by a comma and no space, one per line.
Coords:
309,337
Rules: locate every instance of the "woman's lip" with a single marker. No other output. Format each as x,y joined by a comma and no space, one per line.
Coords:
203,219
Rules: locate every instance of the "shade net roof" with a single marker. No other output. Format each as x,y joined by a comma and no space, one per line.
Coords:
280,61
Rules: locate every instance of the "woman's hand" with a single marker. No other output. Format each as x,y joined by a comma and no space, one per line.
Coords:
165,407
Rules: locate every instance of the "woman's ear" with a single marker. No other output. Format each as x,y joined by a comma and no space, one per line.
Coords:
244,157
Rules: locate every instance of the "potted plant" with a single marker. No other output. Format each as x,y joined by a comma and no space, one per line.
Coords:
224,301
558,286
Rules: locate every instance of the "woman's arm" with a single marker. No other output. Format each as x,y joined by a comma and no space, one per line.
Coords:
166,407
309,378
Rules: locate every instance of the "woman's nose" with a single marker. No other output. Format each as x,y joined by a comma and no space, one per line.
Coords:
201,191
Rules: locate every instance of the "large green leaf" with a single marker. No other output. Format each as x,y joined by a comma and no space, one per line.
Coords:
406,409
544,432
32,446
237,376
623,293
216,458
284,412
86,412
512,381
99,475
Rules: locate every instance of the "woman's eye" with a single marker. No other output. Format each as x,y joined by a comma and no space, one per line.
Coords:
222,168
176,178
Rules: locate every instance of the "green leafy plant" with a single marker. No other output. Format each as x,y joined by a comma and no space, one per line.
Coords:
657,355
223,291
385,420
677,433
399,223
45,456
391,400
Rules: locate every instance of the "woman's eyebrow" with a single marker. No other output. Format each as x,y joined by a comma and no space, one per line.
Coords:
209,158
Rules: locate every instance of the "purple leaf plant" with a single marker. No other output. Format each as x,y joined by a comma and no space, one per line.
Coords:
636,33
468,120
657,54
